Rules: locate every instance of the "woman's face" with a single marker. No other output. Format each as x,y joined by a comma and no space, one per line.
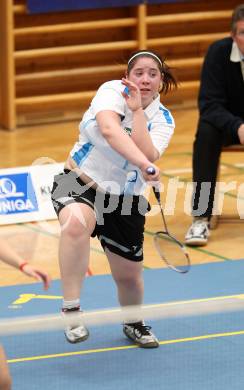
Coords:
147,76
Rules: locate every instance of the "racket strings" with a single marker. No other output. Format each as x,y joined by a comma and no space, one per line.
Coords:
170,250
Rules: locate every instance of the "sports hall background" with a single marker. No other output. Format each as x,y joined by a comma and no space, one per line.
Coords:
51,64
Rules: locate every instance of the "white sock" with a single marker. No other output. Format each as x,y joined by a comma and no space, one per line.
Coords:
69,305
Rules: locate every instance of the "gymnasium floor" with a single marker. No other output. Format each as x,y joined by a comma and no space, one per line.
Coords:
196,353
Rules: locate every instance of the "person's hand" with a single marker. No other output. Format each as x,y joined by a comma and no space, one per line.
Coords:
133,97
151,173
240,132
39,275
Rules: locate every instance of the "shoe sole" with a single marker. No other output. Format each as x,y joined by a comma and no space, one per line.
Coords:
79,340
196,242
148,345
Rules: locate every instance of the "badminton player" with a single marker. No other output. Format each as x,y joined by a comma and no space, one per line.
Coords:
124,131
9,256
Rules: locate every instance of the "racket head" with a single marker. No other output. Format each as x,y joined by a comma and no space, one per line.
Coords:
172,252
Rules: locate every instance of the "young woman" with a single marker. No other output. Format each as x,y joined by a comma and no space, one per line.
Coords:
100,191
9,256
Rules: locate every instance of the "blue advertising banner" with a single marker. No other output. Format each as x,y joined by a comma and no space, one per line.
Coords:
168,1
41,6
17,194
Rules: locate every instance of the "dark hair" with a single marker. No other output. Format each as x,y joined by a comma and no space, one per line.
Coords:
169,80
238,14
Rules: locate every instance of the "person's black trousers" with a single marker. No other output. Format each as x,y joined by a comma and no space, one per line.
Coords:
206,154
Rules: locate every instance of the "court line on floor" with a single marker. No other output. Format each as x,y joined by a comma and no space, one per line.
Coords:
197,249
150,233
164,342
126,347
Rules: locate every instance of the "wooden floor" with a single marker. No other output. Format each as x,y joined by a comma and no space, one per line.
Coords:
38,242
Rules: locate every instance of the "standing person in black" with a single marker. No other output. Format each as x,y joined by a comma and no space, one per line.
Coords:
221,121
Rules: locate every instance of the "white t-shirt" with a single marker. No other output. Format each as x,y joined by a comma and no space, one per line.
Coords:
92,153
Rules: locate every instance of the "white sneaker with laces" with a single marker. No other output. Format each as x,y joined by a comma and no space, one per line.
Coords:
141,334
75,332
198,233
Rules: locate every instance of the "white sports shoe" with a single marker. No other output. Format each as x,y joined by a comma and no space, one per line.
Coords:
76,332
198,233
141,334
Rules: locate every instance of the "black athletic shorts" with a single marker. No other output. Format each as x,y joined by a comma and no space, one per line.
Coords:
120,218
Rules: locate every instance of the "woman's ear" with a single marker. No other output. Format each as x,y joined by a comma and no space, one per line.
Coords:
160,86
161,83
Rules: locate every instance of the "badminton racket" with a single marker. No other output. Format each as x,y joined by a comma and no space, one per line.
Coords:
170,250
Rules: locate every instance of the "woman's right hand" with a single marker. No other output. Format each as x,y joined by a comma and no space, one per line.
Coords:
150,172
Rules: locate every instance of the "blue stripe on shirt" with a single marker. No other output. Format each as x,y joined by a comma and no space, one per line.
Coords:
167,116
82,153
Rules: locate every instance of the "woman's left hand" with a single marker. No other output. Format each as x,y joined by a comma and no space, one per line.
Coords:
133,97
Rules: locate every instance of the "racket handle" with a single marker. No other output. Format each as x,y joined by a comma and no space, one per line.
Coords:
157,194
151,171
